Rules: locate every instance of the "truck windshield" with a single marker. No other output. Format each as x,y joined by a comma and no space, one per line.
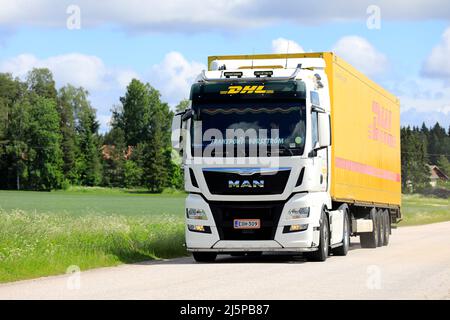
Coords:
249,129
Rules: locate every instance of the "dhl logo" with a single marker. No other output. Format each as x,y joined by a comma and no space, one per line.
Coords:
246,90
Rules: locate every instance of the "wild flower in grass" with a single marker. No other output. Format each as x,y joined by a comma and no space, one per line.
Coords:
35,243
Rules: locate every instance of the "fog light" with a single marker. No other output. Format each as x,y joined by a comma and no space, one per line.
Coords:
295,228
197,228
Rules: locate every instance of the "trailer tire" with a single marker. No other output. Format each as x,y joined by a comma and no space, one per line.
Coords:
343,250
371,239
204,256
321,254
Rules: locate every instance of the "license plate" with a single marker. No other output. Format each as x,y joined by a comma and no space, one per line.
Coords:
247,223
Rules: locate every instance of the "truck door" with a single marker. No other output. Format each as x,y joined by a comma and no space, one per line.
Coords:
319,158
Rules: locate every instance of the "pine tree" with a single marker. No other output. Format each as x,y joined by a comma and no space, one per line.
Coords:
133,114
444,164
113,159
45,156
40,81
69,144
145,122
14,118
414,162
89,166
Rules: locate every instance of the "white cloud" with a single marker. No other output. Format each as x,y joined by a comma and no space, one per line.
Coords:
124,77
361,54
282,45
437,64
413,117
207,15
105,84
174,76
422,100
169,15
75,68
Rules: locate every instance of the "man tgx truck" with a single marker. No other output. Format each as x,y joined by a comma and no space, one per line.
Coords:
290,153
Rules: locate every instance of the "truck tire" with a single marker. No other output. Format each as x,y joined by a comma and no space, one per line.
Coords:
387,227
324,242
371,239
343,250
381,226
204,256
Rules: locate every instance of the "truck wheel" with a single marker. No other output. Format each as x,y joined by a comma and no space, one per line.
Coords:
342,250
324,242
381,226
204,256
387,227
371,239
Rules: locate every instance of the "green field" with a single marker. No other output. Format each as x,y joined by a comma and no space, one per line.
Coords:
43,233
423,210
97,201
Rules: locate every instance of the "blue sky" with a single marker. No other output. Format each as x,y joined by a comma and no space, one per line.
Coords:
167,43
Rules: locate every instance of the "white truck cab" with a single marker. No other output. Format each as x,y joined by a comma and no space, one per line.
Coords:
256,147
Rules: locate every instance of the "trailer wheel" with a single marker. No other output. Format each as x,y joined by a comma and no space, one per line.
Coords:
371,239
343,250
381,227
387,227
324,242
204,256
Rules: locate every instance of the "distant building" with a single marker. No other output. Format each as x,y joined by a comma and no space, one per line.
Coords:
108,151
436,175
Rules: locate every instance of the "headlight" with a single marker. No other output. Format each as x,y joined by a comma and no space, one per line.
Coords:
298,213
198,214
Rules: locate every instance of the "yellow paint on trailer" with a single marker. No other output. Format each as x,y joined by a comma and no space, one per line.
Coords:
365,164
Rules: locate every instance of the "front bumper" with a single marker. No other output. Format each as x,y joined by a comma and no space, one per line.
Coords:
272,238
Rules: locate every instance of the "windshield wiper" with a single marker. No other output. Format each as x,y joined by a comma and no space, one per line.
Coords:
284,148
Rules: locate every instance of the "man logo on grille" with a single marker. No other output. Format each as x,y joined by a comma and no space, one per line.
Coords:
246,184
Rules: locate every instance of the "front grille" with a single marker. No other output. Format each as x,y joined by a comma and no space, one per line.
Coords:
225,212
231,181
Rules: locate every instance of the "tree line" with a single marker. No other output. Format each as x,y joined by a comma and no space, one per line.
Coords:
49,139
421,147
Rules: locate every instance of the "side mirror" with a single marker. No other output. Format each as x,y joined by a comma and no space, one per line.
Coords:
324,124
188,114
176,132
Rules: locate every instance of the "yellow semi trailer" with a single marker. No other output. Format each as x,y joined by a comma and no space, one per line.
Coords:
333,166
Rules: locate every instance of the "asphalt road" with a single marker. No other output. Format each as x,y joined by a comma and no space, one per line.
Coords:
415,265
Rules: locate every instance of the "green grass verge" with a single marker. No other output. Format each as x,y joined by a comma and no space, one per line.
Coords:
418,210
36,244
43,233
